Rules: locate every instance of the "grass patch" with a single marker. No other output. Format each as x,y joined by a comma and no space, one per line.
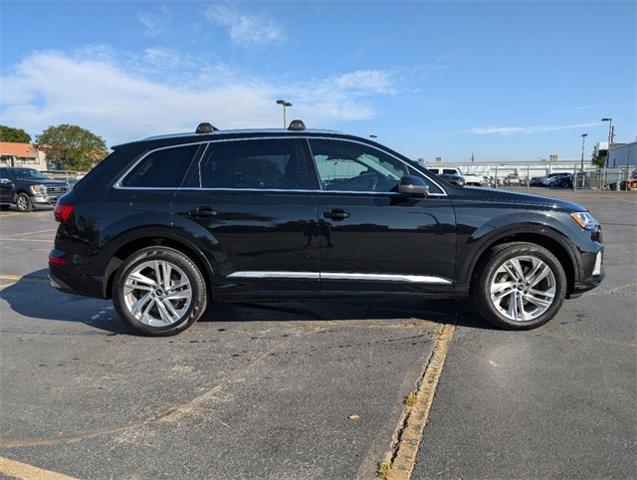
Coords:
410,400
383,469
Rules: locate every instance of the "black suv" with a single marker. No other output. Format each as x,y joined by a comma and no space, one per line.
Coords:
168,224
26,187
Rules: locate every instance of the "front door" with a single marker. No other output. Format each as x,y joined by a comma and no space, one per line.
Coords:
372,238
6,186
254,199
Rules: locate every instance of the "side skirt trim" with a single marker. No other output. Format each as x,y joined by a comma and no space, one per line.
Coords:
383,277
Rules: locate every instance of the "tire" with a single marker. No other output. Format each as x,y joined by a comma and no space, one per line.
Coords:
23,203
157,314
493,273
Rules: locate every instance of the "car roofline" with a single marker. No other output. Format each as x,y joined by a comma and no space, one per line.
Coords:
231,132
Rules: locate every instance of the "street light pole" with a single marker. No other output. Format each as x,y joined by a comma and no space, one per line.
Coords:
285,104
610,137
584,135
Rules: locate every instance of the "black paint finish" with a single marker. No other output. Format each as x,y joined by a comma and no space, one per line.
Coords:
306,229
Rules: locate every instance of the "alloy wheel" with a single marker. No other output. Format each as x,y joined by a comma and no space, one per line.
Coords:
523,288
157,293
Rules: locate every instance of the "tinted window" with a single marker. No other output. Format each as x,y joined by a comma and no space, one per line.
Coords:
449,171
348,166
260,164
163,168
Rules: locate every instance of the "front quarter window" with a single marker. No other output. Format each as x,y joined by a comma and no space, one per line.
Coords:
355,167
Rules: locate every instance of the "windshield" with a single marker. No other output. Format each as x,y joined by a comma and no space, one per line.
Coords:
30,173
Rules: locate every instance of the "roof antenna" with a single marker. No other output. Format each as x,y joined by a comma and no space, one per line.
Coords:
205,127
296,125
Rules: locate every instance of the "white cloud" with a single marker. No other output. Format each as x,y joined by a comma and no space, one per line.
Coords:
160,91
245,30
527,130
379,81
156,23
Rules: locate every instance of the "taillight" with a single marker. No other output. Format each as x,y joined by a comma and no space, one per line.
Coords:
58,260
63,212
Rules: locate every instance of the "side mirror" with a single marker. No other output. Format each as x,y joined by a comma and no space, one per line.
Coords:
413,186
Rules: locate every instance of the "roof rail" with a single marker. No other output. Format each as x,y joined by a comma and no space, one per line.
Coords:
205,127
296,125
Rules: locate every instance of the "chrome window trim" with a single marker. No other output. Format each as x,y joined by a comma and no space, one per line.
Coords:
118,184
403,278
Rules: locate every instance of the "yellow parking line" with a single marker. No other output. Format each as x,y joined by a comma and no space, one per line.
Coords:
29,472
402,465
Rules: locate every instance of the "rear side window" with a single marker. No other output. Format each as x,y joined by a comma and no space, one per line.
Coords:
253,164
449,171
163,168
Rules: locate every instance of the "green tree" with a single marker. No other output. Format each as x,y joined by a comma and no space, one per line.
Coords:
73,147
10,134
599,158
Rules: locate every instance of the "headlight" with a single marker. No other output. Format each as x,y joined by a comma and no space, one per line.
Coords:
584,220
38,189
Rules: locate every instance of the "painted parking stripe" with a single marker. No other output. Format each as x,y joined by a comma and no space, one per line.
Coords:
411,431
25,471
31,233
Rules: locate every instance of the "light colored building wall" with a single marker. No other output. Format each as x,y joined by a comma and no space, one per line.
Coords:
623,155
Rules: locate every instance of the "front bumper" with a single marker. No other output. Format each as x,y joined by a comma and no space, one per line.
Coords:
44,199
594,274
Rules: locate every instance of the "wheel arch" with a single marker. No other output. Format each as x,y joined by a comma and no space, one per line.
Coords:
552,241
133,244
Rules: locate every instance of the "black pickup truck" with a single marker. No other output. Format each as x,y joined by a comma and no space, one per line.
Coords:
26,187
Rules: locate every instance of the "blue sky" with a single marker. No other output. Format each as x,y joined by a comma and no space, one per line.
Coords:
505,80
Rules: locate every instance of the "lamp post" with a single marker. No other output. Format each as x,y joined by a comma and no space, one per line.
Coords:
610,137
584,135
285,104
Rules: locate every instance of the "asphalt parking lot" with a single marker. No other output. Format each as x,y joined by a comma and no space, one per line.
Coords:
311,390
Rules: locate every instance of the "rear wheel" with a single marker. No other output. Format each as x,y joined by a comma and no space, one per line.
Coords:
519,286
23,203
159,291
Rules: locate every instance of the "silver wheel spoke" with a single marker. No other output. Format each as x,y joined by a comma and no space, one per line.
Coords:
166,270
521,296
541,299
139,304
160,301
540,275
139,278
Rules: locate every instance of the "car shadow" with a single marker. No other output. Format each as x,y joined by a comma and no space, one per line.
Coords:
32,296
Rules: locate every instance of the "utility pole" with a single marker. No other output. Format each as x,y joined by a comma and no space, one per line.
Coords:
611,134
285,104
472,157
584,135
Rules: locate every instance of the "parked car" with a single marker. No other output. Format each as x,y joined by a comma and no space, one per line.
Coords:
454,179
512,179
469,179
488,181
536,182
167,225
27,187
562,180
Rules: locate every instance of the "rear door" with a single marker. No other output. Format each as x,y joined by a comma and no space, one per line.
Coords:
253,198
372,238
6,186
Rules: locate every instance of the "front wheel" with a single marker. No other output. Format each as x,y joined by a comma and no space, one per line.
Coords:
159,291
23,203
519,286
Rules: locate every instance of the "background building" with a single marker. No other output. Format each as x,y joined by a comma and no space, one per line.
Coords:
623,155
14,154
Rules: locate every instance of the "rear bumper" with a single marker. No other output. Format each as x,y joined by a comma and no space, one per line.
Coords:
71,277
